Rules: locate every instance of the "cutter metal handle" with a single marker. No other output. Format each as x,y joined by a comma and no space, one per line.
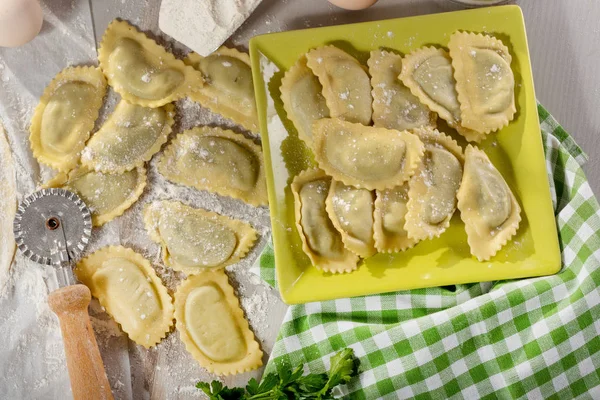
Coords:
88,378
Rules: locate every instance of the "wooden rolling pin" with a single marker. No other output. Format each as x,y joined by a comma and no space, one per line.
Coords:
86,370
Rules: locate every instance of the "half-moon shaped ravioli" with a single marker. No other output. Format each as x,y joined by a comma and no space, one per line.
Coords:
394,106
212,326
351,212
193,239
487,206
107,195
321,242
128,138
432,190
141,70
228,88
484,81
428,73
389,220
346,85
364,156
65,116
128,288
216,160
303,101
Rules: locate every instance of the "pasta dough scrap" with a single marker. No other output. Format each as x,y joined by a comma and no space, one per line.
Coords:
346,85
141,70
364,156
216,160
485,82
351,212
321,242
107,195
487,206
228,88
65,116
212,326
128,138
303,101
128,288
428,73
8,207
394,106
432,190
389,220
193,239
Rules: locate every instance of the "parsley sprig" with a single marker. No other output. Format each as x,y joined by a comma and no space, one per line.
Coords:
290,384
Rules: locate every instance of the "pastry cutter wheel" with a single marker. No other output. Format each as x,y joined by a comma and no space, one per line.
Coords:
53,227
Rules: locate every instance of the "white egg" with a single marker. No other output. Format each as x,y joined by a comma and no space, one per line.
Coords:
353,4
20,21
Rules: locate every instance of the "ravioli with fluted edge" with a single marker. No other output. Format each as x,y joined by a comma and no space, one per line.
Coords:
65,116
303,101
428,73
126,285
228,86
432,190
487,206
212,326
321,241
365,156
216,160
141,70
351,212
346,84
389,220
129,137
107,195
394,106
193,239
484,81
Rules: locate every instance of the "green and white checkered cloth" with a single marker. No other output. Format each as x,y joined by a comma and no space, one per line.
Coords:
530,338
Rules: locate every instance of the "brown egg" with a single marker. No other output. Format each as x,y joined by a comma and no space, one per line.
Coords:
353,4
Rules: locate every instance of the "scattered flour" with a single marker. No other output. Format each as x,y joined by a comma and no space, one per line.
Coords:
203,25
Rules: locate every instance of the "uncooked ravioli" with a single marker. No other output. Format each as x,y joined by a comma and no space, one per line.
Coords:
194,239
485,82
129,137
301,94
216,160
228,89
322,243
428,73
364,156
212,326
394,106
346,84
127,287
432,189
107,195
142,71
487,206
351,211
65,116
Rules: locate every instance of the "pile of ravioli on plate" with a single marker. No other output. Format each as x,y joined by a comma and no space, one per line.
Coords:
107,171
387,178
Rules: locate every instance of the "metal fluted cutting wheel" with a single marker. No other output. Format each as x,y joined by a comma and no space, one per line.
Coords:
42,212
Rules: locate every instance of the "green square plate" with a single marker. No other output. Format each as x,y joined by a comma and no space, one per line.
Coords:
516,151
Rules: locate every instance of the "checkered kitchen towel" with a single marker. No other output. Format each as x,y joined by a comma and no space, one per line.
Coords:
530,338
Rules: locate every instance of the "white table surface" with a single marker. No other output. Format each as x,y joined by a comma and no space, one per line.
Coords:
564,39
